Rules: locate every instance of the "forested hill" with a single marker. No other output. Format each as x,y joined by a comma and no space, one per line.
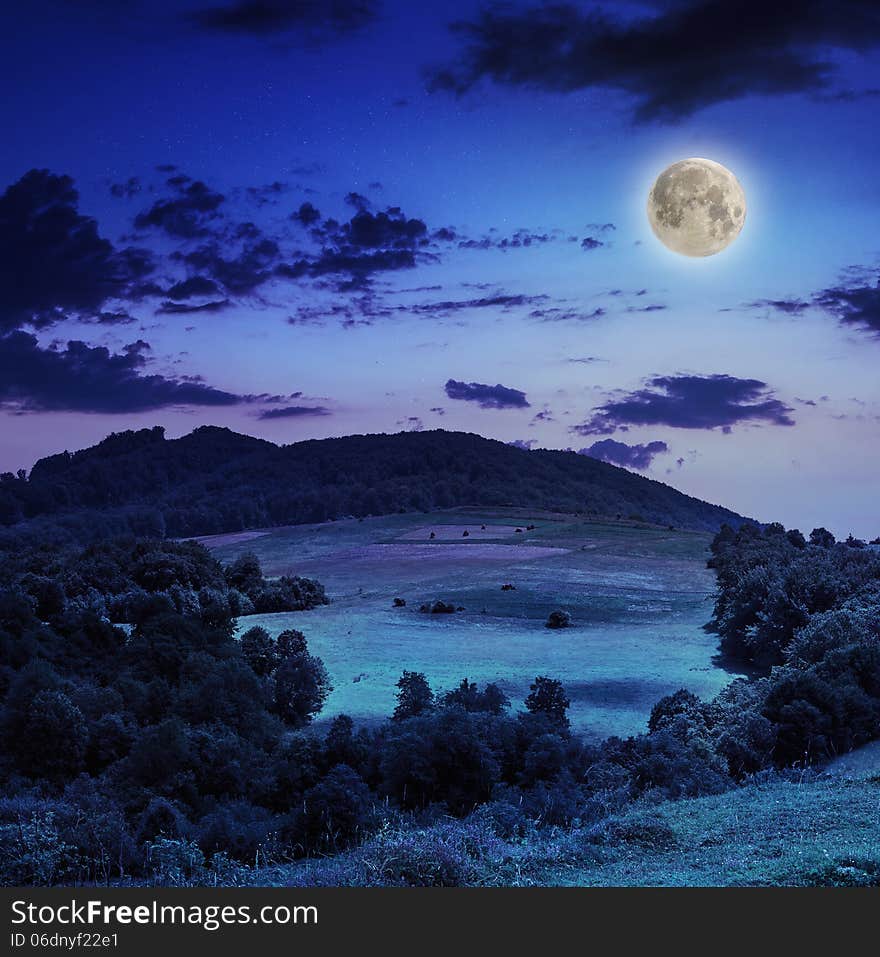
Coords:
215,480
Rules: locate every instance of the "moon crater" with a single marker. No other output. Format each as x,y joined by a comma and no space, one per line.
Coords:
696,207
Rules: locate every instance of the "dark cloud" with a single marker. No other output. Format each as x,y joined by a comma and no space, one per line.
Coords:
268,194
358,200
524,444
652,307
502,301
125,190
82,378
566,314
194,286
368,243
682,58
186,308
294,412
190,213
854,301
487,396
240,270
313,18
388,229
53,262
521,239
306,214
792,307
629,456
690,402
358,265
589,243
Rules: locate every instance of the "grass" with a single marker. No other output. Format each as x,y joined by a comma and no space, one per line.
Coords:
818,832
638,596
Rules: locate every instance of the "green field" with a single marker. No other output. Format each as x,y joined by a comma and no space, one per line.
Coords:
638,597
816,832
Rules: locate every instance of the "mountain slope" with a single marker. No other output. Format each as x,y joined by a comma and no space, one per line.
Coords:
214,480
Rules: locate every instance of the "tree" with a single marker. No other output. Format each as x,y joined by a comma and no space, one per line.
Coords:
822,537
55,737
547,697
259,651
335,810
245,574
301,688
290,643
469,697
414,696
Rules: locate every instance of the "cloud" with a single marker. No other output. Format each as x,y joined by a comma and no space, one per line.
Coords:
267,195
566,314
684,57
82,378
294,412
358,200
690,402
125,190
487,396
315,19
188,214
589,243
239,269
181,308
53,262
524,444
521,239
194,286
502,301
629,456
792,307
368,243
854,301
388,229
307,214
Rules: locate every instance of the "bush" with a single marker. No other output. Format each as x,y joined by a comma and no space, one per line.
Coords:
558,619
175,863
451,854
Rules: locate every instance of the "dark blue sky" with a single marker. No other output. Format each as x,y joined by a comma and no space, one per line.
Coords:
303,219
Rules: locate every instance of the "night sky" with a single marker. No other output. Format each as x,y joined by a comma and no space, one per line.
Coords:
301,219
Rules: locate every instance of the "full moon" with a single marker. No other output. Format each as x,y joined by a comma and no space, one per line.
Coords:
696,207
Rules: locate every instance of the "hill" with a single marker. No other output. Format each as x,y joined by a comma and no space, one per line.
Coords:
817,832
215,480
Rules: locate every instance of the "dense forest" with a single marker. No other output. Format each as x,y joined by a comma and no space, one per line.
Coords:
143,743
214,480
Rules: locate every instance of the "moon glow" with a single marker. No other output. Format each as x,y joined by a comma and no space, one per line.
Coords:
696,207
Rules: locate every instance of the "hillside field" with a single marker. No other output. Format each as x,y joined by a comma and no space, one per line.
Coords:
638,597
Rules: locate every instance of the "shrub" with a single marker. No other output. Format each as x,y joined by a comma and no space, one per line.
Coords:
558,619
451,854
175,863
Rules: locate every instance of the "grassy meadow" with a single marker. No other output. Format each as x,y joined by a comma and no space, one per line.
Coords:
638,596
